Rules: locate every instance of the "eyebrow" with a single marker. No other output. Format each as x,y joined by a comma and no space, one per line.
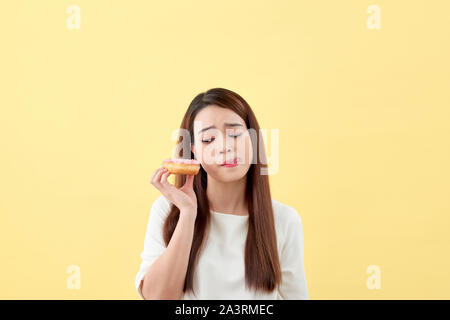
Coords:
226,125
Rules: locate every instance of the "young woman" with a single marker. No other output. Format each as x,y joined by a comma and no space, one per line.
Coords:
219,234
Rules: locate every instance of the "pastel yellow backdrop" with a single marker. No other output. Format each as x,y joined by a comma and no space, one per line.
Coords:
87,116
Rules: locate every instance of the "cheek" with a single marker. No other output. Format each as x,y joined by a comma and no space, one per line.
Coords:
208,157
206,154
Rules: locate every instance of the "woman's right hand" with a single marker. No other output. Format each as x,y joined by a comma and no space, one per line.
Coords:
184,197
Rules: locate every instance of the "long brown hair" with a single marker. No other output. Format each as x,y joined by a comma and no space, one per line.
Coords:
262,265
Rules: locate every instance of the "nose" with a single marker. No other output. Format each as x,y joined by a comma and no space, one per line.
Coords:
227,145
227,150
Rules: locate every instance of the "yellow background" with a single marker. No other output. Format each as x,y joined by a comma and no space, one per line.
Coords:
86,117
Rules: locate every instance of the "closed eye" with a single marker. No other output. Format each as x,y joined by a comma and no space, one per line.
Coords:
208,141
212,138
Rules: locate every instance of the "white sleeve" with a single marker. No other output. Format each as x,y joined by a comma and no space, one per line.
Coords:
153,244
293,285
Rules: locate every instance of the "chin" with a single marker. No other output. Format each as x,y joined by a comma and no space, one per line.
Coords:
230,175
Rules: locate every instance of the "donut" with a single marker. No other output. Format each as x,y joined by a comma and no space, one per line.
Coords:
182,166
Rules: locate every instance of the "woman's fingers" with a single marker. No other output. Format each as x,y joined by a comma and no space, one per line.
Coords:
188,184
157,177
153,175
159,180
189,181
164,176
165,185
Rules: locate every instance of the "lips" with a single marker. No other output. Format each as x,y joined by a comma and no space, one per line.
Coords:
231,162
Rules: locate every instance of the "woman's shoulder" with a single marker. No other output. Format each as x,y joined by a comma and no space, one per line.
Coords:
285,214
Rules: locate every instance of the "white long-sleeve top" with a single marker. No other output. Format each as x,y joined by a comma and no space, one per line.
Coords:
220,272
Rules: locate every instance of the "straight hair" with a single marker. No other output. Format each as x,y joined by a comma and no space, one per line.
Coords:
262,265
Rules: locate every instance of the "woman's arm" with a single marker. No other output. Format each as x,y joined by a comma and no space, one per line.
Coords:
294,284
166,276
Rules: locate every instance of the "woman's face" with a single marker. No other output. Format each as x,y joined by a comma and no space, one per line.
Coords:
221,137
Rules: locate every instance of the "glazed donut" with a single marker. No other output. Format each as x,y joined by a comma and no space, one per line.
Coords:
182,166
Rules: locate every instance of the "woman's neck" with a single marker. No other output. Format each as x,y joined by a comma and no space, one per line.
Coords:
227,197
